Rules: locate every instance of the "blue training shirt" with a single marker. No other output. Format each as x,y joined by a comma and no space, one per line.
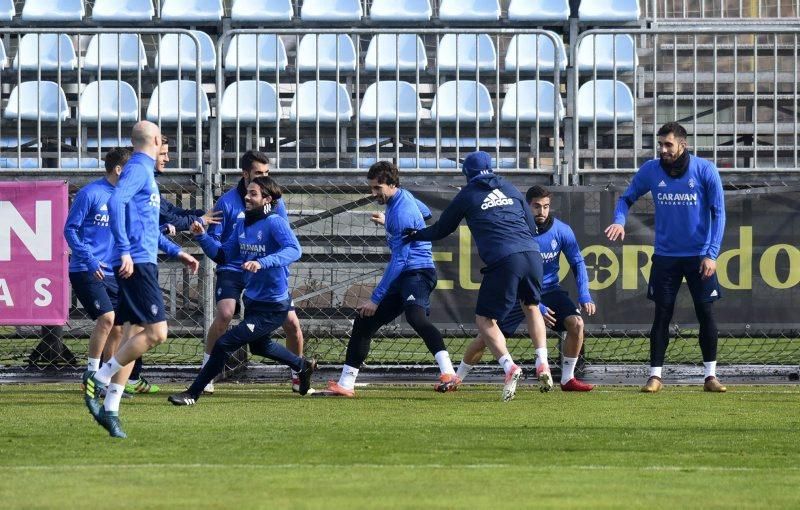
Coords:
689,210
552,242
133,208
87,229
403,211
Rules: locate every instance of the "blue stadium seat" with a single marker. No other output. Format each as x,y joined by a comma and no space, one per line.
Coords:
109,51
527,58
606,48
400,10
78,163
109,101
239,103
192,10
390,101
307,53
612,96
408,162
469,10
7,11
243,49
20,163
178,94
173,58
462,101
539,10
331,10
520,103
389,52
24,105
329,95
51,51
609,11
250,11
53,10
123,10
473,52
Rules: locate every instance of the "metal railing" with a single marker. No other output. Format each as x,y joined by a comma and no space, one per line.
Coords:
728,10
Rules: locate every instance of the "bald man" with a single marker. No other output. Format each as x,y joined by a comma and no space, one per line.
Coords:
133,210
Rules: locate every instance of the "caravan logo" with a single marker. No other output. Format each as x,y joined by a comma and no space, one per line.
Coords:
494,199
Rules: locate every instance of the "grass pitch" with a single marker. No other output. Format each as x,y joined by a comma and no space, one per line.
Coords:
259,446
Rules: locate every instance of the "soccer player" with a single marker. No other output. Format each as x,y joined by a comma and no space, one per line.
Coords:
407,283
690,222
133,217
230,276
559,311
503,229
266,245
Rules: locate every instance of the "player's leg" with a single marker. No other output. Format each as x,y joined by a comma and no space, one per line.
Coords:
228,289
529,291
294,341
568,320
137,383
93,295
704,293
662,289
476,348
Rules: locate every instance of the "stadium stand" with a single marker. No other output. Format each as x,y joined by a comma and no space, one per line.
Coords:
544,11
178,52
48,52
53,10
466,52
255,11
248,52
531,101
326,53
469,10
390,52
605,101
331,11
607,53
122,10
109,101
124,52
462,101
321,101
174,101
400,10
530,52
249,102
390,101
192,11
37,100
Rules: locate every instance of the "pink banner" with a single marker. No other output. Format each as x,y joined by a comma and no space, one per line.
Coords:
34,287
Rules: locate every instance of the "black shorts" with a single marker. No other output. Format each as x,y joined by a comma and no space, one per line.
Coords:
515,278
667,273
557,300
140,299
98,297
229,285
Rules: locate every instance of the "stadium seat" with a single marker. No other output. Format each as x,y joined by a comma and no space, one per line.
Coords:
109,101
172,58
24,105
109,51
243,49
538,10
389,52
107,141
51,51
53,10
307,53
609,11
250,11
239,103
622,45
123,10
3,57
473,52
331,10
527,92
329,95
528,60
7,11
606,91
462,101
78,163
400,10
7,142
389,101
408,162
177,94
20,163
192,10
469,10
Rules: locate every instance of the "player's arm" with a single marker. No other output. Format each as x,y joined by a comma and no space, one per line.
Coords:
716,203
181,219
636,189
289,250
211,246
399,256
176,252
569,245
77,214
280,209
426,212
130,183
447,223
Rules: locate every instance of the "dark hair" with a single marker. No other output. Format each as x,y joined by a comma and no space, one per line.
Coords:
385,172
268,187
674,128
117,156
536,192
165,140
250,157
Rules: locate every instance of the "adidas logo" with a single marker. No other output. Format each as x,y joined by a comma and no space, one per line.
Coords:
251,327
104,207
494,199
714,293
662,184
411,298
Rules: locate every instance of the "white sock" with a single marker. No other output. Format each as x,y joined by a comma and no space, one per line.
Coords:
93,364
568,369
507,363
443,360
206,357
108,370
709,369
655,372
463,370
348,377
541,356
113,396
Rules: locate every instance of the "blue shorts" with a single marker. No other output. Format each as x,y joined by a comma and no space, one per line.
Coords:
515,278
667,273
140,299
411,288
229,285
557,300
98,297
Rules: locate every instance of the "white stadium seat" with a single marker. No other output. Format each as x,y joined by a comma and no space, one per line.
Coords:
390,51
109,51
50,51
332,98
462,101
467,52
239,103
192,10
78,163
109,101
609,11
538,10
53,10
30,99
7,11
607,47
390,101
248,11
400,10
20,163
178,97
408,162
173,58
611,97
469,10
521,103
243,49
3,57
527,58
308,52
123,10
331,10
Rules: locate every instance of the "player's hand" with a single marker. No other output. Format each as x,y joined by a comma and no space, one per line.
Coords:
589,308
212,217
99,274
187,260
408,235
707,268
615,231
126,267
549,318
197,228
378,218
366,309
253,266
169,230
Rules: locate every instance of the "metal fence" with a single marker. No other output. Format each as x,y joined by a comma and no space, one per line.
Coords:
730,10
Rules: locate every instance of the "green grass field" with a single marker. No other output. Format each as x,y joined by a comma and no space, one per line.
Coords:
259,446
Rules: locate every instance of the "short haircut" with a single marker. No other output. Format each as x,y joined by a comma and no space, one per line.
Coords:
117,156
674,128
268,187
535,192
165,140
385,172
250,157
